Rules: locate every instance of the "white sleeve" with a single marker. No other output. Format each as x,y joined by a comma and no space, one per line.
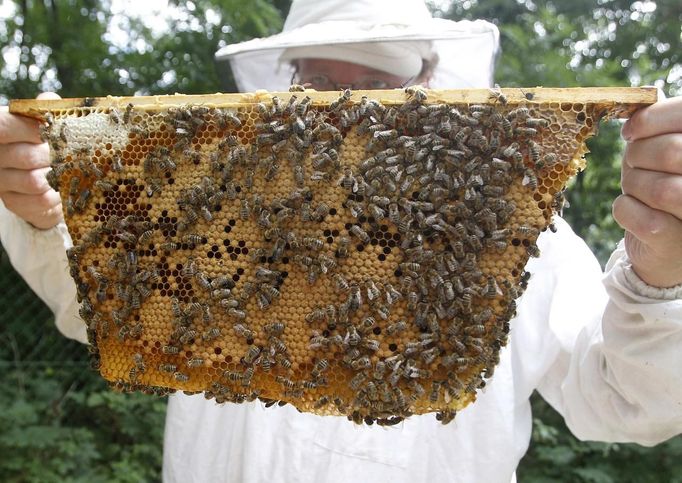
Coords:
39,256
618,375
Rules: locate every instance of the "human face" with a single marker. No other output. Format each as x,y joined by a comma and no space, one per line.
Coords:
331,75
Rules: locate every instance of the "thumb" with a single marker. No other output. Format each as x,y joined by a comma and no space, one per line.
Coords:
48,96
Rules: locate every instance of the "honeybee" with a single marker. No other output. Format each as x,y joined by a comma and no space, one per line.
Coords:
435,391
291,105
340,282
127,237
354,298
361,363
266,275
248,179
191,218
361,234
412,300
302,106
127,113
533,250
232,375
416,92
371,345
188,336
525,131
244,209
170,349
193,239
497,94
180,376
320,366
549,159
357,381
263,300
430,355
326,263
283,361
236,313
530,179
299,175
312,243
138,359
195,362
392,294
341,100
356,209
169,246
252,354
342,247
266,363
74,185
321,212
396,327
537,122
168,368
272,171
228,117
347,180
274,328
286,382
373,292
446,416
377,213
317,315
321,402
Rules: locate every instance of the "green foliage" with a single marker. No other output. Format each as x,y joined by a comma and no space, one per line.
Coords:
69,47
82,432
556,456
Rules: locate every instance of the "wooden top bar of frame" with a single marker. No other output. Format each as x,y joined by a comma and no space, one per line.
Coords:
618,102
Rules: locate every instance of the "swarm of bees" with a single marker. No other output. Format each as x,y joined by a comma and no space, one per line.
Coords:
327,250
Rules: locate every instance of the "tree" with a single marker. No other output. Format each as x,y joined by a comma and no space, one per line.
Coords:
71,47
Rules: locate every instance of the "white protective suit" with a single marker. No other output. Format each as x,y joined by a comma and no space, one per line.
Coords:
605,353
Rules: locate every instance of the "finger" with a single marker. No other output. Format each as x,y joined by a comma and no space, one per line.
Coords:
653,227
24,155
659,153
661,118
657,190
29,182
42,211
48,96
16,129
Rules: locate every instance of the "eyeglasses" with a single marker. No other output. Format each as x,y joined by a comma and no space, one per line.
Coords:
321,82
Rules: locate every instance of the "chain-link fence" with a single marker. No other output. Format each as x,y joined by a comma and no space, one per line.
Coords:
59,419
29,340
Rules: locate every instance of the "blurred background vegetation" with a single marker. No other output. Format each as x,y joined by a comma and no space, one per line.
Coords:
60,422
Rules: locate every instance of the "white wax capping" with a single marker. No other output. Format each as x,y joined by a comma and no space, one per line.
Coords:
95,129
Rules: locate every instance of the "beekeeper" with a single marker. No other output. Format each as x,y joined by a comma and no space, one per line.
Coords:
603,349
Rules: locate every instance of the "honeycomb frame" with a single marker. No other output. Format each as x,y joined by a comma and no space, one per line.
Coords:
350,253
